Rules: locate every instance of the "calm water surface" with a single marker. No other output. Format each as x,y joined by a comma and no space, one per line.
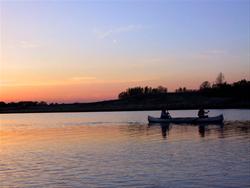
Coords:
120,149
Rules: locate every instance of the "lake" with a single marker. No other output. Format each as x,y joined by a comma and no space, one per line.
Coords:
120,149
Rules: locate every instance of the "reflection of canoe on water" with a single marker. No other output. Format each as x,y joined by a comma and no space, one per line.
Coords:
215,119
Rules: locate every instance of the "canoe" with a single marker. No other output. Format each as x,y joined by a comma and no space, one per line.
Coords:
192,120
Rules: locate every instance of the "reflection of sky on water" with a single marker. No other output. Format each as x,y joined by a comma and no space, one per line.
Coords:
68,150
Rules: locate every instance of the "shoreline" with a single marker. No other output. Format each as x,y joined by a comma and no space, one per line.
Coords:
110,110
185,101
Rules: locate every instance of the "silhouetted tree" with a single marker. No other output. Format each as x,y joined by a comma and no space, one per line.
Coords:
162,89
220,79
2,104
123,95
140,91
205,85
42,103
181,90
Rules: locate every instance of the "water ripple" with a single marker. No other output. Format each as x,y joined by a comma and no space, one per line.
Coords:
71,152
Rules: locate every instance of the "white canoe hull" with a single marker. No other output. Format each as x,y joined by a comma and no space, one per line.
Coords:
193,120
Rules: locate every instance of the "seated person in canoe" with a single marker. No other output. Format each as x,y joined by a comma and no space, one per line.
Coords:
165,114
202,112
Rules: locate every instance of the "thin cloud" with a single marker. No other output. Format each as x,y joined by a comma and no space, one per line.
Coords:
28,44
215,52
83,78
209,54
117,30
68,81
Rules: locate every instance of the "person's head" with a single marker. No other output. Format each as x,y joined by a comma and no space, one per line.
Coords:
163,109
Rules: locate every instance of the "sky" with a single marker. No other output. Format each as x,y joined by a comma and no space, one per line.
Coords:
82,51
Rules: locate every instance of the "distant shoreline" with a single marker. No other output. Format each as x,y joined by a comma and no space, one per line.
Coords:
127,110
171,102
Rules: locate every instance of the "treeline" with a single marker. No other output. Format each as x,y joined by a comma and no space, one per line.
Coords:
142,91
26,104
219,88
236,89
